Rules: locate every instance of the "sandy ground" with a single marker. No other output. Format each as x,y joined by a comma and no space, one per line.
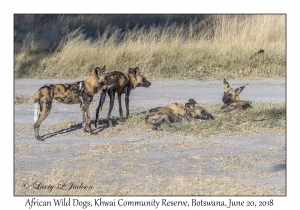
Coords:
118,161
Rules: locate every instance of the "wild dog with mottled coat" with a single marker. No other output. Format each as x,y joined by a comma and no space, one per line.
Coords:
78,92
174,113
231,99
124,83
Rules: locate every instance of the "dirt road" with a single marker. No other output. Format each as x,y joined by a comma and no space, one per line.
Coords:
141,162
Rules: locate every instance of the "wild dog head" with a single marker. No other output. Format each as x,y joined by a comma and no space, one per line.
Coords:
137,79
195,111
102,78
230,94
154,119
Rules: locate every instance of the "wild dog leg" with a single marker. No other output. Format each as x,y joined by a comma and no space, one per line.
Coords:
101,102
224,107
120,107
111,105
127,93
167,120
86,121
44,112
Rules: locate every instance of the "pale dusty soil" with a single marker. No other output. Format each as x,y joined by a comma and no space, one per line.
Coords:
136,161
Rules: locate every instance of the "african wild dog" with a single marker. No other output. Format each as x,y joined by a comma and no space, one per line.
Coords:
173,113
231,99
78,92
259,53
124,83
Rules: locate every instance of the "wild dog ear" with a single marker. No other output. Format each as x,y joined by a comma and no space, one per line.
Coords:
190,106
102,70
239,90
192,101
226,84
131,71
137,70
99,71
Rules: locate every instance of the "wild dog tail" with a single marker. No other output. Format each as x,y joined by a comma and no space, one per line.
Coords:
102,99
37,107
101,102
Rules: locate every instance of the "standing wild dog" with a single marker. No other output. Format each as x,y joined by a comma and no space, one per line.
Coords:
124,83
78,92
231,99
173,113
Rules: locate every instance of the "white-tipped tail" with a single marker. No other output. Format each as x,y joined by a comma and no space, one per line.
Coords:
36,111
80,85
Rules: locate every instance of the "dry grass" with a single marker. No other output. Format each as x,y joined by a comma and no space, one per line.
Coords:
216,48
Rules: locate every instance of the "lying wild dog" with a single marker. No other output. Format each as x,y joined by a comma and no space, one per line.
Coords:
124,83
173,113
78,92
231,99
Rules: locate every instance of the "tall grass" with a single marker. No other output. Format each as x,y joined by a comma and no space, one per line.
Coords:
217,47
